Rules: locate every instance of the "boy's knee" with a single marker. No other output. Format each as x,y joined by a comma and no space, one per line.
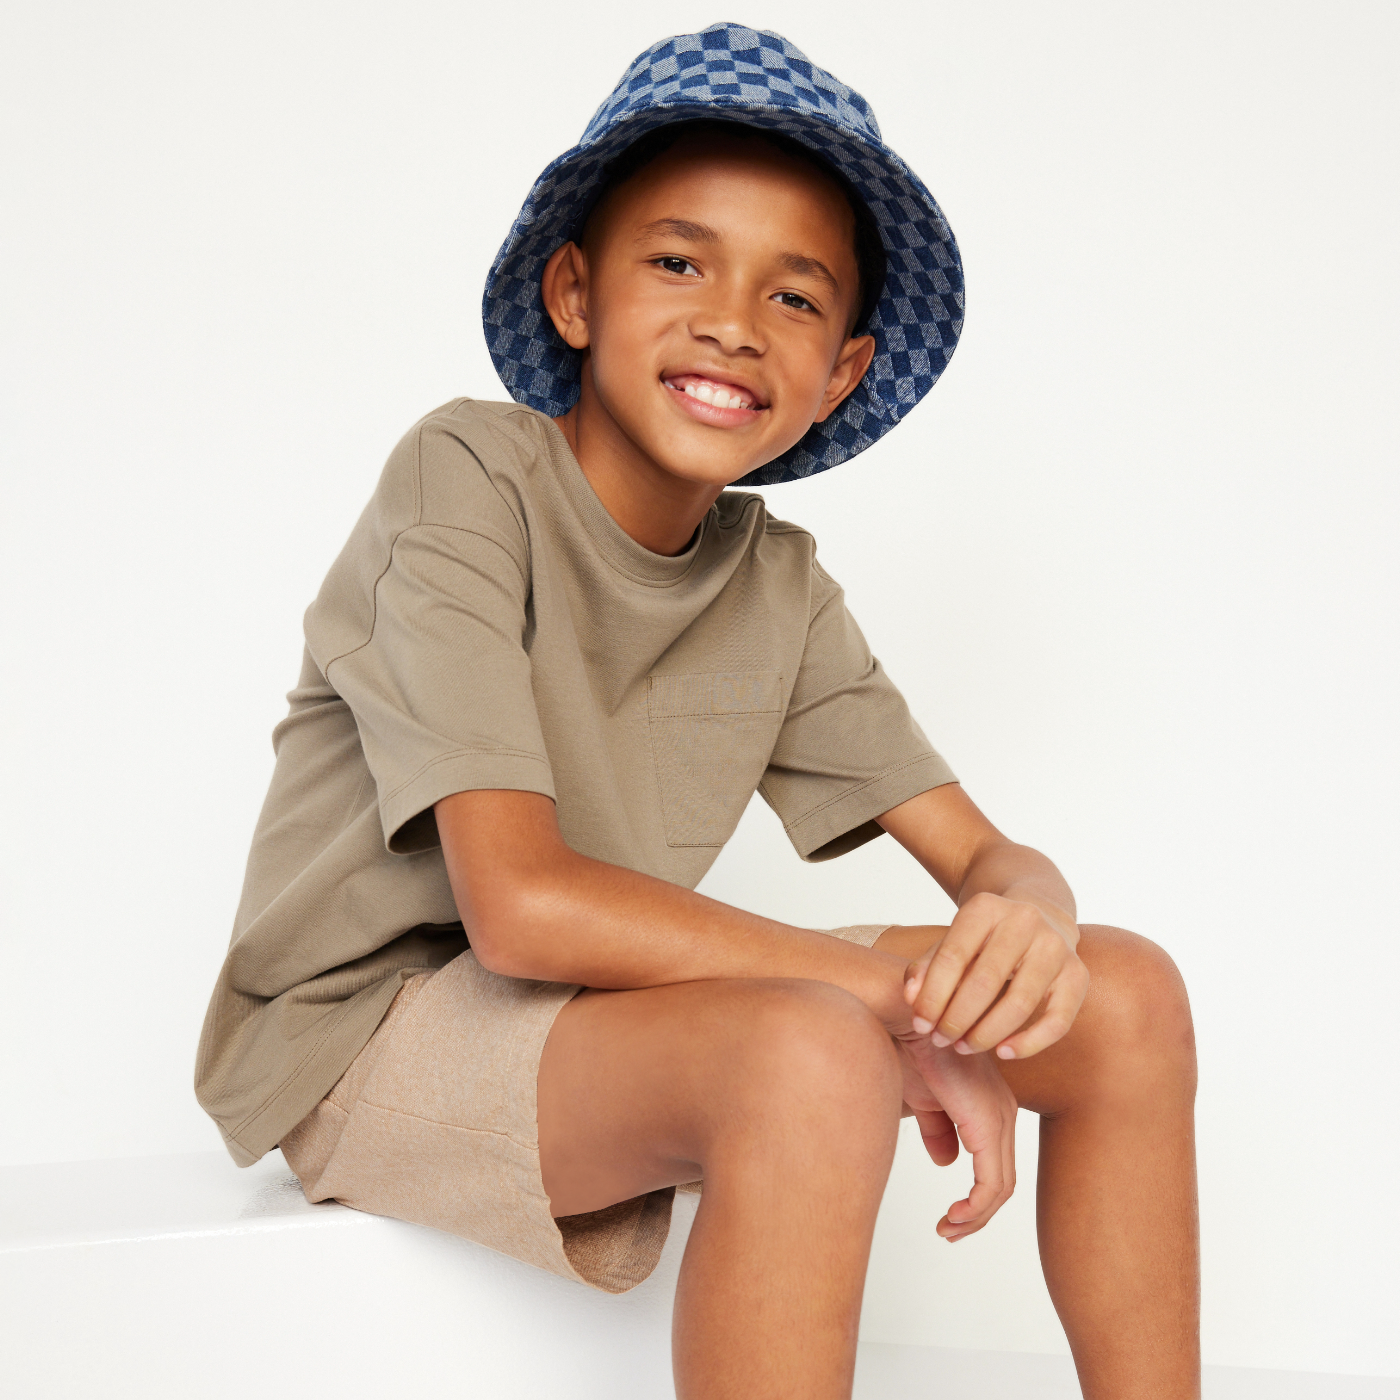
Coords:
816,1048
1142,1017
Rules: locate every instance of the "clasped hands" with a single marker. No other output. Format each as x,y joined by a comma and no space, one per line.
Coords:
1004,978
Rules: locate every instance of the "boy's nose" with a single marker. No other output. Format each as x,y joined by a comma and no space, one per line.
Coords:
726,320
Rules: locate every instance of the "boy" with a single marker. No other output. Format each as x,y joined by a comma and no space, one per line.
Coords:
470,983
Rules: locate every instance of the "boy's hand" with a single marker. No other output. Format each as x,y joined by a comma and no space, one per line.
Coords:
1009,952
1001,961
955,1096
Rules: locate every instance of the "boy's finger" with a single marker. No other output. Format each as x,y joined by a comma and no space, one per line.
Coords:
939,1135
1061,1007
946,965
1023,996
915,973
991,1188
982,984
993,1147
951,1229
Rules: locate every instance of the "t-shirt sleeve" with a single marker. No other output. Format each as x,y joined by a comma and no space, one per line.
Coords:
420,629
849,749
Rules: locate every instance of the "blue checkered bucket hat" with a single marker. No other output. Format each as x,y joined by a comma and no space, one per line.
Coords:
732,73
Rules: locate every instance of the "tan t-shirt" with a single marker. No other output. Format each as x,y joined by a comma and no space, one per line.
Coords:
489,625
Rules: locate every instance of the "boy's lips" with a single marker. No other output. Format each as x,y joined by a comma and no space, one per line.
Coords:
717,402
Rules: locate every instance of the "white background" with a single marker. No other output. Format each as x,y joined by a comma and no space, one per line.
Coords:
1132,562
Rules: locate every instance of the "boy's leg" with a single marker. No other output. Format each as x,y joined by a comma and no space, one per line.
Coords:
785,1096
1116,1195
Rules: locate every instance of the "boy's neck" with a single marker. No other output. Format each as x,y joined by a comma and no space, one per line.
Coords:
655,507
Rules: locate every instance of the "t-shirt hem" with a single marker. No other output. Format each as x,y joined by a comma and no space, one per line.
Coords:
845,822
260,1131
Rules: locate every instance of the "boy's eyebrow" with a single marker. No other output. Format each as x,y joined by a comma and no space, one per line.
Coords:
679,228
808,267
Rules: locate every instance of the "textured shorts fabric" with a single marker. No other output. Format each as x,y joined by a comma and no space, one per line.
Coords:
434,1123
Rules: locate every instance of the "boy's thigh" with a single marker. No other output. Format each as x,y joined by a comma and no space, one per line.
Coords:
635,1087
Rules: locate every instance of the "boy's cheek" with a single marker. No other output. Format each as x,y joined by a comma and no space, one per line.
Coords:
628,352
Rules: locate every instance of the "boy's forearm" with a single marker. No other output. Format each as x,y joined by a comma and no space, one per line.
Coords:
946,833
604,926
554,915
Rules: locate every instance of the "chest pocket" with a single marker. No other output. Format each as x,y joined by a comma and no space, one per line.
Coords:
711,736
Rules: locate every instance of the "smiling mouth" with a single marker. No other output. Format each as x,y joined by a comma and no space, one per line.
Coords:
715,392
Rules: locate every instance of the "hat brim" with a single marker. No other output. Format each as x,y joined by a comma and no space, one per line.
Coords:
916,322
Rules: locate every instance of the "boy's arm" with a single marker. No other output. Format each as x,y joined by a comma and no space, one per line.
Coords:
1006,974
535,908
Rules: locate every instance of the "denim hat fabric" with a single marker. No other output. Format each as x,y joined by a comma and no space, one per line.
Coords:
757,77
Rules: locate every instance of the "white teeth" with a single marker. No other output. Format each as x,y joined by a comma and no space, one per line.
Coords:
719,398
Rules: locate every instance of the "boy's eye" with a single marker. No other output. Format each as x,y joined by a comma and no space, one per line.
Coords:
682,266
793,300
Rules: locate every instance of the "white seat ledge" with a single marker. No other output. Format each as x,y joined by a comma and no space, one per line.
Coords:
186,1277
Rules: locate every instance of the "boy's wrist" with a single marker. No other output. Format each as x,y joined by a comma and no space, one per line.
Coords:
874,975
884,994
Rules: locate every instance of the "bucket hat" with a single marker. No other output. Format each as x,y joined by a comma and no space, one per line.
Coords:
729,72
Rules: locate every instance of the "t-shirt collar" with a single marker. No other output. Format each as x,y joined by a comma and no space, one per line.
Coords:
614,543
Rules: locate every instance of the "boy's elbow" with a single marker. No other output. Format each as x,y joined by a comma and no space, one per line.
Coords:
505,938
500,955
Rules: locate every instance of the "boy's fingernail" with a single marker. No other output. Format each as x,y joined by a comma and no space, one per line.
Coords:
924,1027
939,1039
963,1048
1005,1052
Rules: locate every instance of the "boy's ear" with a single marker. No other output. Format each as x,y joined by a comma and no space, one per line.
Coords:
564,288
849,369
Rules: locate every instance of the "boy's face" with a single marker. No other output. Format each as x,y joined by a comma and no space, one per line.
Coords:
713,296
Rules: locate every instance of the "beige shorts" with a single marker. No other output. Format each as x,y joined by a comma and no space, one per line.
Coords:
434,1122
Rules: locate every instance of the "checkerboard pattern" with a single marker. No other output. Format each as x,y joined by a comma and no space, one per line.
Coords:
761,79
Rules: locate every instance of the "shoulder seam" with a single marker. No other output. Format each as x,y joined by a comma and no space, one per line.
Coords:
393,545
816,612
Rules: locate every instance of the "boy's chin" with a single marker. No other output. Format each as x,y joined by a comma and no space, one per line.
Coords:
702,465
707,473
